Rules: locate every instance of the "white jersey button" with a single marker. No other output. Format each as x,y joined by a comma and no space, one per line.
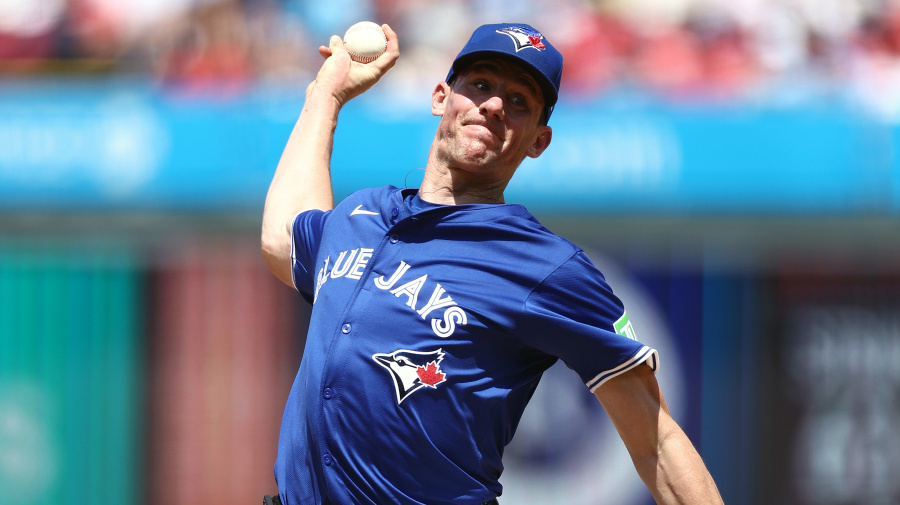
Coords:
394,239
346,328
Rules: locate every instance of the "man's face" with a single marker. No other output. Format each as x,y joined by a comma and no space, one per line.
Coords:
490,119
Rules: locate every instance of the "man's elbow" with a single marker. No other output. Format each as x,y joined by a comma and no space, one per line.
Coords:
269,248
276,252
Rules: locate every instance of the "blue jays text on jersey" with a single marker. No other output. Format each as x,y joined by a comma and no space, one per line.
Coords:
430,329
439,298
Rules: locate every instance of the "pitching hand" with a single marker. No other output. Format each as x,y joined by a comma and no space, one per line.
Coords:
342,78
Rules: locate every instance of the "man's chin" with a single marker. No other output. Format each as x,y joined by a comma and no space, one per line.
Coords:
478,161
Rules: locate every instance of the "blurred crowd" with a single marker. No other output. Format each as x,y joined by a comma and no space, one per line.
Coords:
683,50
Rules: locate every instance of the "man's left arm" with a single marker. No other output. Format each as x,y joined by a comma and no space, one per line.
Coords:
663,455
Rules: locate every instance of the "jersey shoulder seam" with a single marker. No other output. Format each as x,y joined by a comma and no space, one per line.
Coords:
549,274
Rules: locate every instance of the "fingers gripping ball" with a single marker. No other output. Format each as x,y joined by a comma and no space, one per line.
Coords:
365,41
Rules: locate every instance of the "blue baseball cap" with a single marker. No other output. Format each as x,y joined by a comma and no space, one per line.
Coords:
522,43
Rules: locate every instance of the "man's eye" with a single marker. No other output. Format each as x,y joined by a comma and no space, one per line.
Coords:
481,85
519,101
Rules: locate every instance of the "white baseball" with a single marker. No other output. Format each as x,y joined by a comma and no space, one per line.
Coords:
365,41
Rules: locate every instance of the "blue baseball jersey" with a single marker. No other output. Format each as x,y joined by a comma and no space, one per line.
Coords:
430,328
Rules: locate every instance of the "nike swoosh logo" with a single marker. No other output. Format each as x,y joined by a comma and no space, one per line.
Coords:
360,211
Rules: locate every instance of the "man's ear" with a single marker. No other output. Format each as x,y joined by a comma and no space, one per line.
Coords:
439,98
541,142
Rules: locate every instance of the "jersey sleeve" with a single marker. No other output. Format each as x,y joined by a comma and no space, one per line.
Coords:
574,315
306,235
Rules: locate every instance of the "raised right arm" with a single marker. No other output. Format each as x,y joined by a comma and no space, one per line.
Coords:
302,180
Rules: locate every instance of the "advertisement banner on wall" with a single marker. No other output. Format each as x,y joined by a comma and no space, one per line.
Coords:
832,390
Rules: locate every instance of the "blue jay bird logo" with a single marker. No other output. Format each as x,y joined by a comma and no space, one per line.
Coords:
523,37
412,370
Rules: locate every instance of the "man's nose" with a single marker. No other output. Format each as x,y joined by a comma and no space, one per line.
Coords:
494,106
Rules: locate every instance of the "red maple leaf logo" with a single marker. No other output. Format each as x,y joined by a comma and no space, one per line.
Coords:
430,375
536,41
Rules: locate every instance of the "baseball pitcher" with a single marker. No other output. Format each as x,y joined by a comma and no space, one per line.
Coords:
436,310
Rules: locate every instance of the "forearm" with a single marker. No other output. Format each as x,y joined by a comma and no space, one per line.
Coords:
302,179
677,474
663,455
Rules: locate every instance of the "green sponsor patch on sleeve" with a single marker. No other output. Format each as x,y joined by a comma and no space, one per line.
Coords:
623,327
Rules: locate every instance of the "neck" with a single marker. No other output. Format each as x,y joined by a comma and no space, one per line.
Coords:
453,188
446,184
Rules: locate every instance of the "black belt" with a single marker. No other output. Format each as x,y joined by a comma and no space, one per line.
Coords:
276,500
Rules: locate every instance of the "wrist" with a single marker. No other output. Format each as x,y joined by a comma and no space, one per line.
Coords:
320,101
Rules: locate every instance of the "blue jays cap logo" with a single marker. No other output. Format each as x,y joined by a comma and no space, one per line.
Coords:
546,62
412,370
524,37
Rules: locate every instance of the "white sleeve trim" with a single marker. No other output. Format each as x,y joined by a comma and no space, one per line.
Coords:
294,253
646,354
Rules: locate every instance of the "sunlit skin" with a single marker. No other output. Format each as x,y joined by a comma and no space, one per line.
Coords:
490,122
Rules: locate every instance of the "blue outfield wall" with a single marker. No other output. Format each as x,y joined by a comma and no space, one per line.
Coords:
123,146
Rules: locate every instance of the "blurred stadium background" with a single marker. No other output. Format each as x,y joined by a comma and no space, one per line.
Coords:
731,166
